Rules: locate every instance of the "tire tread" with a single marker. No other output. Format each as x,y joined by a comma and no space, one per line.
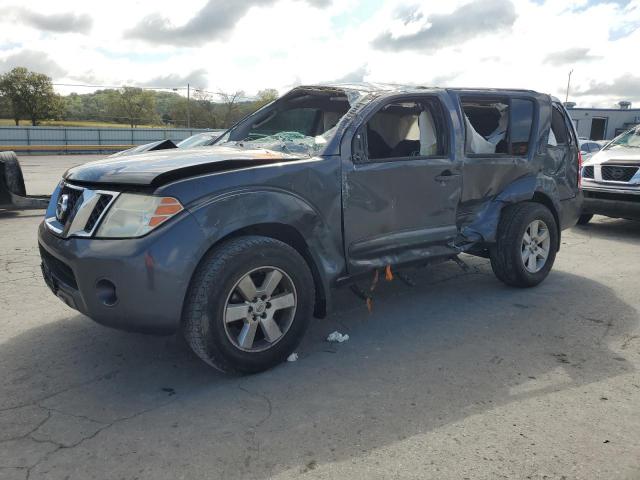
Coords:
503,259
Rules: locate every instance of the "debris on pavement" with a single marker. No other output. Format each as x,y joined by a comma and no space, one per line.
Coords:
461,264
337,337
388,274
365,295
293,357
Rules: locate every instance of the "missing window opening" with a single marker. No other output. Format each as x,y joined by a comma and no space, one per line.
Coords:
498,126
405,129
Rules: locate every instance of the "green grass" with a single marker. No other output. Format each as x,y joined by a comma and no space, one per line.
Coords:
4,122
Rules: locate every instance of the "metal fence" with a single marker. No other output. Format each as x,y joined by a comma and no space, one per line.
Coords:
75,137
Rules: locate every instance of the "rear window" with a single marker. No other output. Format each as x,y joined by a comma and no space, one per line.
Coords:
521,122
558,134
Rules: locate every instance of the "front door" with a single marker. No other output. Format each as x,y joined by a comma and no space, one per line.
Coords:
401,185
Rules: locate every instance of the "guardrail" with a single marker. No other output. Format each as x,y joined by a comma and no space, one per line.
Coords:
63,148
44,139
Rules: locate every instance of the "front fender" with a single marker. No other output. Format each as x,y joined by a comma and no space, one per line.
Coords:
222,216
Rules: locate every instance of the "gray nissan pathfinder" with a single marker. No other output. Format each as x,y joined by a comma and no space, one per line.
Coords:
238,244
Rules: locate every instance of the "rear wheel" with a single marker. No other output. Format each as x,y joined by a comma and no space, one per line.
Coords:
249,304
585,218
526,245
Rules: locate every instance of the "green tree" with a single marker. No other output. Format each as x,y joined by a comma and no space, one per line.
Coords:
134,105
31,95
5,107
231,111
265,96
10,88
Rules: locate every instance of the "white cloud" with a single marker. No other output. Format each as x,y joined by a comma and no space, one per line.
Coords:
279,43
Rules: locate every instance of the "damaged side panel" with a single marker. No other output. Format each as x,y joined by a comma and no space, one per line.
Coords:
510,175
403,209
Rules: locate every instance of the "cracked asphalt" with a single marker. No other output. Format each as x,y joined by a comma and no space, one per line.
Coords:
456,377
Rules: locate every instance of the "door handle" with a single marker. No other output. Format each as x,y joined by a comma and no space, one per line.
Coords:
445,176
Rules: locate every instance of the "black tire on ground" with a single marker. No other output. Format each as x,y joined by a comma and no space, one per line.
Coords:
506,254
12,174
585,218
214,280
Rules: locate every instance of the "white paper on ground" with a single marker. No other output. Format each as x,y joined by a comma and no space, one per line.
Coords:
337,337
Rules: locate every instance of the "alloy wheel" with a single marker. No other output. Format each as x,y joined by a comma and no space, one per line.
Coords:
536,244
260,309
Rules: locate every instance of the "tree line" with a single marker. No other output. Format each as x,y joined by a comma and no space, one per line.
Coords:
27,95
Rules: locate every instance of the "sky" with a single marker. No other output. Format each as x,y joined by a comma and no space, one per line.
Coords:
249,45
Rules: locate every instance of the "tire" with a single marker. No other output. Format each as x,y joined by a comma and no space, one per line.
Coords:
217,289
508,253
12,173
585,218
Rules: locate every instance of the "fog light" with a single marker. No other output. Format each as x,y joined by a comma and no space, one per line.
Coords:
106,292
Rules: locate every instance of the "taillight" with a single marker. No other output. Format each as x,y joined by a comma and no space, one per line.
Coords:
579,170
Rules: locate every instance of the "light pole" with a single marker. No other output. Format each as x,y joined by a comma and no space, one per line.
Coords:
566,98
188,106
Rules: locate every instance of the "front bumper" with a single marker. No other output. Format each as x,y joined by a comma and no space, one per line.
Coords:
615,202
150,275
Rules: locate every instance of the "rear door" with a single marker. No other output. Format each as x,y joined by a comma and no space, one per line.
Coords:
496,149
401,184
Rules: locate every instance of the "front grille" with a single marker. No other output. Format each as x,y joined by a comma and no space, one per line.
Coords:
97,212
84,209
618,173
59,269
73,195
587,172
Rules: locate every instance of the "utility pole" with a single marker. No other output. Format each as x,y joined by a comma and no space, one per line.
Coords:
188,106
566,99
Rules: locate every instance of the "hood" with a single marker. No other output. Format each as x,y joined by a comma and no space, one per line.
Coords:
617,155
164,166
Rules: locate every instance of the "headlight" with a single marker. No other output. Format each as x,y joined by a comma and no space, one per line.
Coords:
135,215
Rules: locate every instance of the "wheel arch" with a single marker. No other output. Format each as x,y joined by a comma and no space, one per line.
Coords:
283,215
288,235
483,228
292,237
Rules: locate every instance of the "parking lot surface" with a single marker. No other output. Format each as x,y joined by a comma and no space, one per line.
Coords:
456,377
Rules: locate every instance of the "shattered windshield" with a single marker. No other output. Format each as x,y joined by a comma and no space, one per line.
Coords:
301,122
630,139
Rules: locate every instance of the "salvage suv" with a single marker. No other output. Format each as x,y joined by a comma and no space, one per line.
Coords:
238,244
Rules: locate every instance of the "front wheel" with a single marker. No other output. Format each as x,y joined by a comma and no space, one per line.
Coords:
249,304
526,245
